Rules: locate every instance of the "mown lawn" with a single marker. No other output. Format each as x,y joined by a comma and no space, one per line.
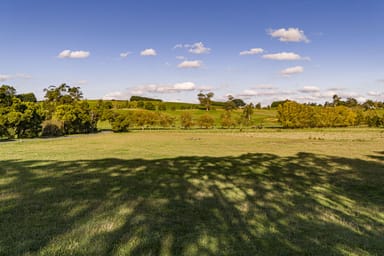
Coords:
270,192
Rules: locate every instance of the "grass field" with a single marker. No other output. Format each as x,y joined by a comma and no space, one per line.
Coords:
269,192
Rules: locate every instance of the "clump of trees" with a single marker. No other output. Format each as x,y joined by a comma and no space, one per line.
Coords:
64,104
121,121
19,118
295,115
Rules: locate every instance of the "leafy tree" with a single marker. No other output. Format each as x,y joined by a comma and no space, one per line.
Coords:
27,97
351,102
206,121
162,107
336,100
248,111
140,98
226,120
149,106
186,120
206,99
120,122
52,128
7,93
373,119
230,104
165,120
239,103
276,104
63,94
76,118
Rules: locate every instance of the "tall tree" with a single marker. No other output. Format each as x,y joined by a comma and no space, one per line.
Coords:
206,99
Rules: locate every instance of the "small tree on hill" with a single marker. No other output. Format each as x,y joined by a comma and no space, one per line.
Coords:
206,99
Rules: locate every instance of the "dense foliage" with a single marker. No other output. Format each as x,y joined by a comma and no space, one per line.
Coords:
294,115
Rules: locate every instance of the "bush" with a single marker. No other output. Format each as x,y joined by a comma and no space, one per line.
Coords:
52,128
206,121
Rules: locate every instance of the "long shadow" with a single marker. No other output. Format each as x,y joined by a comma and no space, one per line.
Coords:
253,204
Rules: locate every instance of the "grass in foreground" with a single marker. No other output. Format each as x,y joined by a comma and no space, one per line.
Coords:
164,193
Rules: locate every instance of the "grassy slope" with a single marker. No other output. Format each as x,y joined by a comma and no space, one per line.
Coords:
316,192
263,117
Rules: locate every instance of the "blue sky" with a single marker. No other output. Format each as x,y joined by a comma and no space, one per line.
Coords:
260,51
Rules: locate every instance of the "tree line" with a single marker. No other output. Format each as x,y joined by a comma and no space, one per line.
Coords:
295,115
64,111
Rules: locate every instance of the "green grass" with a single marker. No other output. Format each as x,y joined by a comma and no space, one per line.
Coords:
271,192
260,118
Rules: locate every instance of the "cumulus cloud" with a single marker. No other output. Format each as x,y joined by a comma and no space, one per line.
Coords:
115,96
283,56
199,48
252,51
4,77
73,54
148,52
190,64
196,48
124,54
292,70
309,89
289,35
156,88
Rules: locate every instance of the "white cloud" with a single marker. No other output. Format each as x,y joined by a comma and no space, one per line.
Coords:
283,56
23,76
196,48
4,78
199,48
124,54
81,82
252,51
374,93
180,57
309,89
263,93
148,52
289,35
292,70
115,96
156,88
190,64
73,54
265,87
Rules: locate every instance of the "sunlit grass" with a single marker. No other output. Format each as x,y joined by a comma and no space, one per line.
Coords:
194,193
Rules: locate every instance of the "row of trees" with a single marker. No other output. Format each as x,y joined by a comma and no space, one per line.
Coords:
65,112
294,115
122,121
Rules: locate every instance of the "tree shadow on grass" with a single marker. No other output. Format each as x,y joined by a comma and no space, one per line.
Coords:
253,204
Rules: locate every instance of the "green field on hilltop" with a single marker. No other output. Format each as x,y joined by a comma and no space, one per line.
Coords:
213,192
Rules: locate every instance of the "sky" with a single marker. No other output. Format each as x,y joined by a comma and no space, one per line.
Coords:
259,51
